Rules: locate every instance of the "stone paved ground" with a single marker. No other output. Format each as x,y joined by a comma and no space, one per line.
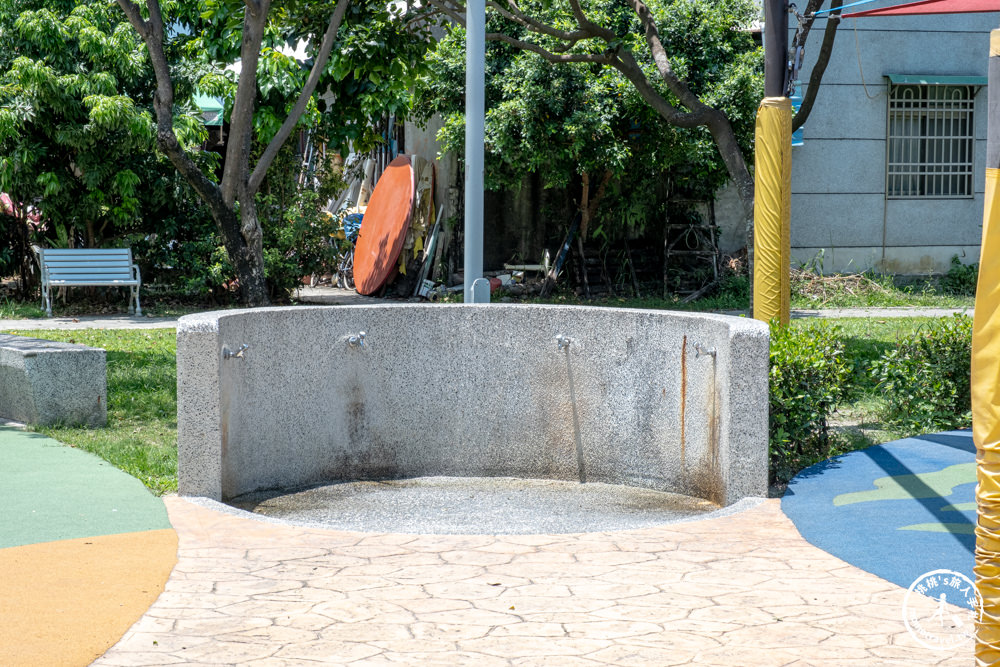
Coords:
741,590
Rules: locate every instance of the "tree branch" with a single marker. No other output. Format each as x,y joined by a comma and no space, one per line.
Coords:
300,105
626,64
163,100
549,55
449,11
822,60
677,86
235,173
134,17
515,15
586,24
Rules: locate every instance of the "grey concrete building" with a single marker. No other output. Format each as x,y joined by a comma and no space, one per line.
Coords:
891,172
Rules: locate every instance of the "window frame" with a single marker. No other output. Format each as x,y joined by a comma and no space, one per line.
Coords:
945,122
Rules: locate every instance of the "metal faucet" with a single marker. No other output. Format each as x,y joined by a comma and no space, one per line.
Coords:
563,341
238,354
357,340
700,349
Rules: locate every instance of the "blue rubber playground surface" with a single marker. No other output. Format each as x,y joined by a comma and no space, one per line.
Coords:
897,510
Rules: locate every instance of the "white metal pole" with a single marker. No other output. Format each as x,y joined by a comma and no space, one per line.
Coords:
475,130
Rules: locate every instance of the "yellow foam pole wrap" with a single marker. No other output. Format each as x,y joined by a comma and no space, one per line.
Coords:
772,209
986,426
986,388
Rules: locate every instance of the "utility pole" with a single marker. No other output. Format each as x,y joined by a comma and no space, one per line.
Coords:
475,138
775,48
773,174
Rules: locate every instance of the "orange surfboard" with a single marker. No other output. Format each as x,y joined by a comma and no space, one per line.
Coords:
383,229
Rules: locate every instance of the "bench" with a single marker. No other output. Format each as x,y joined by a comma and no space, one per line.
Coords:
48,383
86,267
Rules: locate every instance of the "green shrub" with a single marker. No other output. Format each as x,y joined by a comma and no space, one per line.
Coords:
296,241
733,291
960,279
807,378
297,230
925,379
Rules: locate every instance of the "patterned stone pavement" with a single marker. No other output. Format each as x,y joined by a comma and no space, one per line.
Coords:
741,590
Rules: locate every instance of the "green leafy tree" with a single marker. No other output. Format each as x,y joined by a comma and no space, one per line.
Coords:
363,55
76,134
584,123
675,54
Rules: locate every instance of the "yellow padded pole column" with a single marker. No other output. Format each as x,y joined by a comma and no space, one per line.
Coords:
772,209
986,426
986,385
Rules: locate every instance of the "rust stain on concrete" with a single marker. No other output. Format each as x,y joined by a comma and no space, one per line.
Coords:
684,343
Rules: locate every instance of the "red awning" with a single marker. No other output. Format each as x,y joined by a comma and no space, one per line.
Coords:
934,7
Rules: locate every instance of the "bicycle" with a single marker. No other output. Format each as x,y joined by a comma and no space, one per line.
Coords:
345,255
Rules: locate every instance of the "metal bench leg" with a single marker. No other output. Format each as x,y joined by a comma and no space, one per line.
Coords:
138,309
46,301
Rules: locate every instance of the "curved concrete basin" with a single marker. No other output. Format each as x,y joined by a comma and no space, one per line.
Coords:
662,400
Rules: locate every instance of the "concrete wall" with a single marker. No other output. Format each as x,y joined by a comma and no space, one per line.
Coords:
472,391
729,218
422,140
518,224
839,205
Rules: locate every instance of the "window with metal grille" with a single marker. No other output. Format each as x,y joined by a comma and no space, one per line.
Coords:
930,141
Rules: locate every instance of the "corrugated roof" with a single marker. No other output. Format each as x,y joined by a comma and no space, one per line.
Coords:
936,80
211,109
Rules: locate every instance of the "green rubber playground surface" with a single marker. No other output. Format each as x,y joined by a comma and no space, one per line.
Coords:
49,492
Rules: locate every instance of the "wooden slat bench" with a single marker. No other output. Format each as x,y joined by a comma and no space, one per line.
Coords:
84,267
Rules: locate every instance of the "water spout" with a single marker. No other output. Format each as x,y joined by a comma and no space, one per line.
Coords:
238,354
563,341
357,340
700,350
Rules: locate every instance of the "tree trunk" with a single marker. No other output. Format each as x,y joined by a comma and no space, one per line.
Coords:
245,250
23,251
583,265
250,266
732,156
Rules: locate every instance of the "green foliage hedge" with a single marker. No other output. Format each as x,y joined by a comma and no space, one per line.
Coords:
925,379
961,278
808,376
922,383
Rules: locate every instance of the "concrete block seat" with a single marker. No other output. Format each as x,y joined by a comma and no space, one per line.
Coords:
278,398
45,382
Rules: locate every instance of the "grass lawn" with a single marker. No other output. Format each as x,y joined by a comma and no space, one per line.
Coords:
156,301
19,310
809,292
141,435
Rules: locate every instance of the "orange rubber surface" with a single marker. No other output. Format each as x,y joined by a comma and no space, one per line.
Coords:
67,602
